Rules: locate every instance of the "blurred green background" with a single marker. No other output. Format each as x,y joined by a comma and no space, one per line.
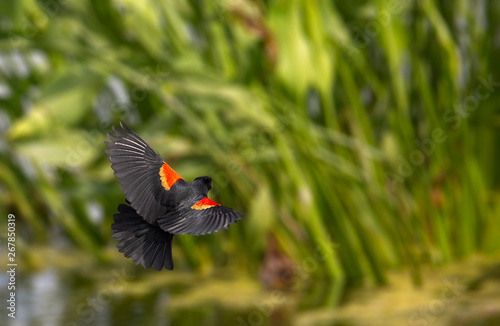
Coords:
360,139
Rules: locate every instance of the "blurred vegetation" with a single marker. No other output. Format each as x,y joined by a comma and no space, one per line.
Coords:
366,129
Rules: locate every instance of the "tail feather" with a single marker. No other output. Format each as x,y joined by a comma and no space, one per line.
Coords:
146,244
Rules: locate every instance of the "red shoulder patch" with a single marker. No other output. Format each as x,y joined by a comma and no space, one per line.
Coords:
168,176
204,203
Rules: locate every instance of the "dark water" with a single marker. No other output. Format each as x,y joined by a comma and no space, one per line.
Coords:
134,296
46,298
49,298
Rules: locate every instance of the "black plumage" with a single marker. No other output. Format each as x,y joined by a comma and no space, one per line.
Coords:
162,204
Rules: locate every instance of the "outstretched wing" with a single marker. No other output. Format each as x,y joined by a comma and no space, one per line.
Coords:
205,216
142,173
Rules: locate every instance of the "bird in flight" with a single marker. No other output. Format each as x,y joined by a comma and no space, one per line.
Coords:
161,203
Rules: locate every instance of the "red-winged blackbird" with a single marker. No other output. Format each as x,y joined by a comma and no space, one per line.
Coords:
162,204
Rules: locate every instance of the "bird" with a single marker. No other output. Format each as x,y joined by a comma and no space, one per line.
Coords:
159,203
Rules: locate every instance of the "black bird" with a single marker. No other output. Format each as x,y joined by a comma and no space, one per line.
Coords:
162,204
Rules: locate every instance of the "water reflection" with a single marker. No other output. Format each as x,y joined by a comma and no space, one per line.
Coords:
38,298
55,297
49,298
90,295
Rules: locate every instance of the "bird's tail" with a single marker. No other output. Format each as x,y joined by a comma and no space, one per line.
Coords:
146,244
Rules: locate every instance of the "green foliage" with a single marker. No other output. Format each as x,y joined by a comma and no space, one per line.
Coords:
371,125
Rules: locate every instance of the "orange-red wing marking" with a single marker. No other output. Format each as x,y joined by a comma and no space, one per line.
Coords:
168,176
204,204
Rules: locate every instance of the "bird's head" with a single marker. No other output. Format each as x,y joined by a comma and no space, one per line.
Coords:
207,181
